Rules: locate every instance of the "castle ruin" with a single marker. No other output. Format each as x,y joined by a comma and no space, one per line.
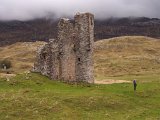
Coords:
70,56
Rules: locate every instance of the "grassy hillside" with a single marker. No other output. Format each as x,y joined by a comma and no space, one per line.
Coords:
117,58
113,57
22,55
127,56
38,98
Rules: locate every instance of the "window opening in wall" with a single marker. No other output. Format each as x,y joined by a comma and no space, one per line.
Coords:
79,59
44,56
74,48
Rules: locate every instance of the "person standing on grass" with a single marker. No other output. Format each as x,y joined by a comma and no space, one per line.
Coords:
134,84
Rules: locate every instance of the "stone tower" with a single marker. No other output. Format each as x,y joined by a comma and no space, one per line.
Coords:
70,56
84,27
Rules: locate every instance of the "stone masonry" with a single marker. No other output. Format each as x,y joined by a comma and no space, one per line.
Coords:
70,56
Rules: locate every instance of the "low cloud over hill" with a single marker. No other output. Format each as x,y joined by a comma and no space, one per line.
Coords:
31,9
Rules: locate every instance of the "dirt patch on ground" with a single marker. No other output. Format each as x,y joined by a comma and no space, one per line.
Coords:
3,75
110,81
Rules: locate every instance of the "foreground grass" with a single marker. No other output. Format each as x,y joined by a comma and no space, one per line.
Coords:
39,98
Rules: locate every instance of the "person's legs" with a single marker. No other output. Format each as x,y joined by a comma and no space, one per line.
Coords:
134,87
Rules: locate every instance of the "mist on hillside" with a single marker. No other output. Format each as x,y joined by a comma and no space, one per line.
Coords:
31,9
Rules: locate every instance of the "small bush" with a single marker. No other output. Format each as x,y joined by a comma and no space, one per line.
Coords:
6,63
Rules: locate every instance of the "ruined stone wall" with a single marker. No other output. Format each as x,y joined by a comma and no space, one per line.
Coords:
43,61
84,25
70,56
54,62
47,60
66,46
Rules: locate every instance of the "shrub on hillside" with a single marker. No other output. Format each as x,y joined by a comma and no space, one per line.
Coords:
5,63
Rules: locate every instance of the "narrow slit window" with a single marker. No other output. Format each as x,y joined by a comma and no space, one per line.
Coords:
44,56
79,59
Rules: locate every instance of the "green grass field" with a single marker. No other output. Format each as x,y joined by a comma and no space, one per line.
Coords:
39,98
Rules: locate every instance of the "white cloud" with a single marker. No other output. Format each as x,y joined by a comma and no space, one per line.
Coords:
30,9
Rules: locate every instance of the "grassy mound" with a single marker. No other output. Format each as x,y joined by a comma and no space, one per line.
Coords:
127,56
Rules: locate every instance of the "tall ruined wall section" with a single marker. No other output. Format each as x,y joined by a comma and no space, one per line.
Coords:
84,25
66,50
70,56
54,59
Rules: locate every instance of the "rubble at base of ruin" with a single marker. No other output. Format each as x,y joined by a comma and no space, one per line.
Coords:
70,56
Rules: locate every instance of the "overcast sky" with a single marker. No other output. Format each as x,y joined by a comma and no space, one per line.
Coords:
30,9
